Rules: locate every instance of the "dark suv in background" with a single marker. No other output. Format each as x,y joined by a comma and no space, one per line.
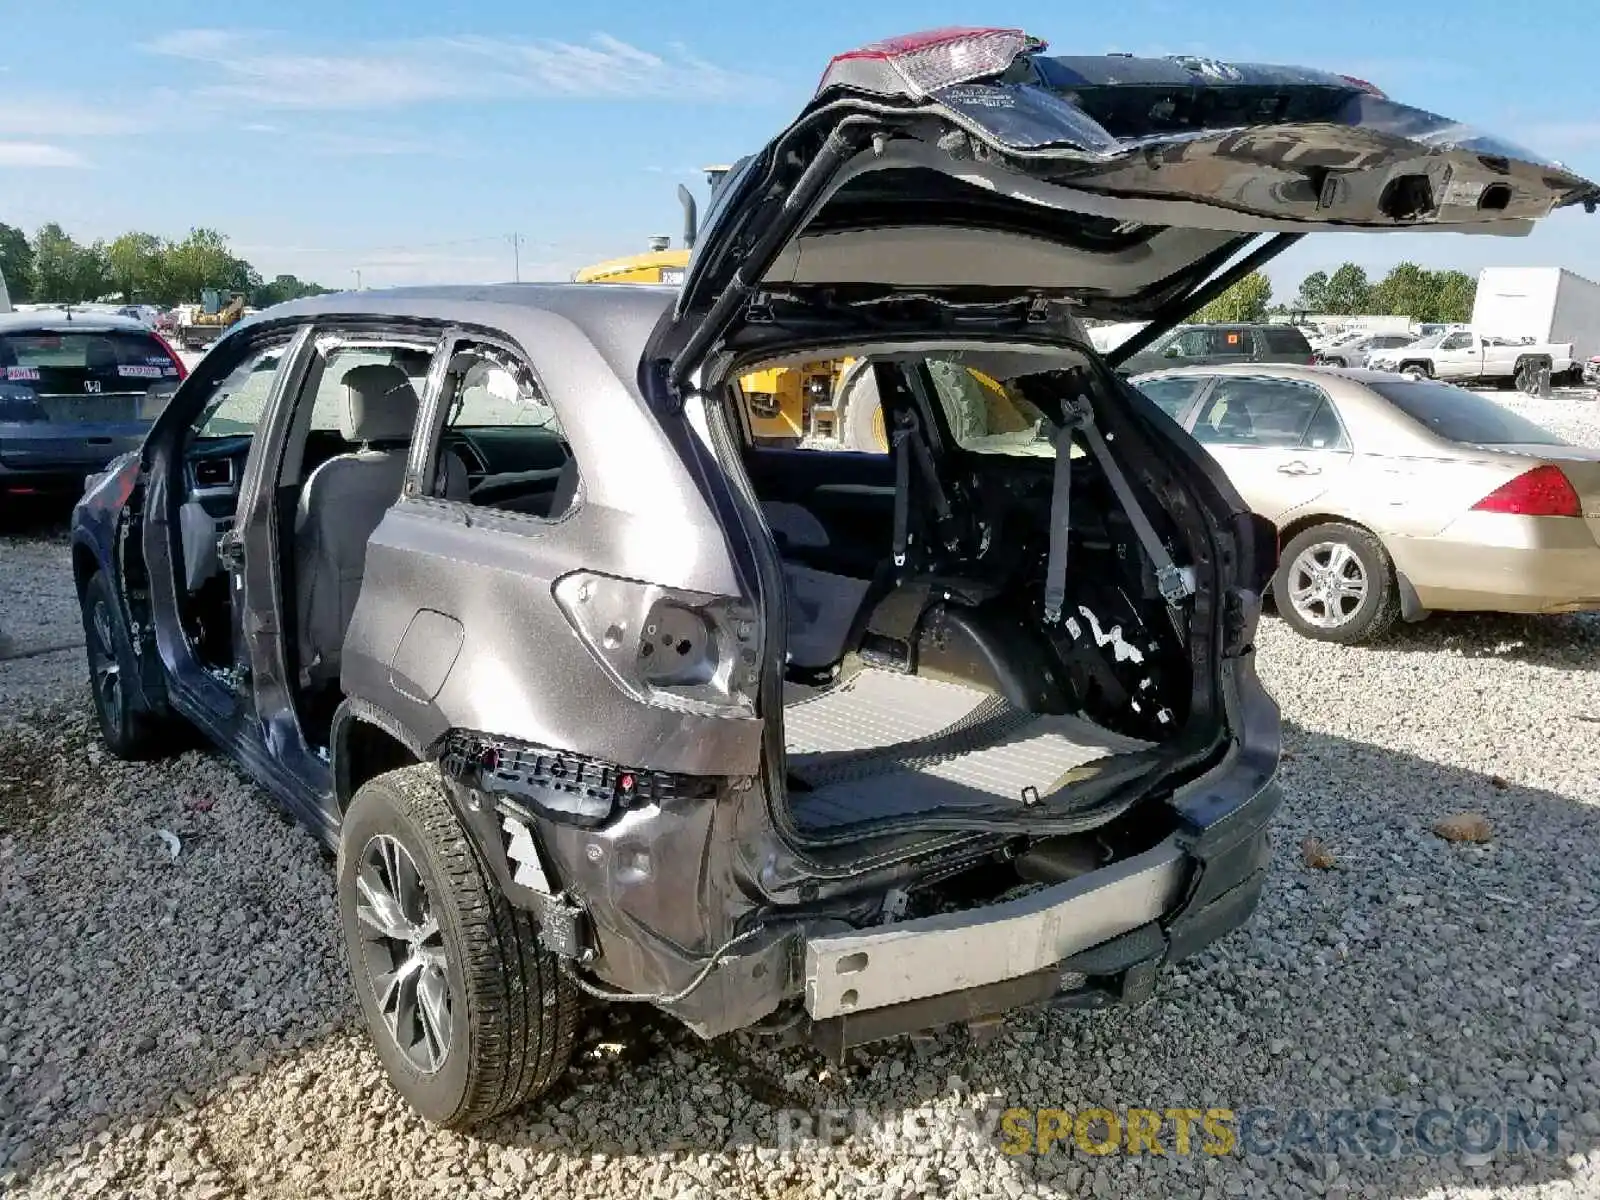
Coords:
1213,345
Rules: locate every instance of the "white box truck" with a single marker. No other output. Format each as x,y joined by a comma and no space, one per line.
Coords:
1544,304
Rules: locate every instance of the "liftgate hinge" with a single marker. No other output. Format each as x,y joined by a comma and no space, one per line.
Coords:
759,310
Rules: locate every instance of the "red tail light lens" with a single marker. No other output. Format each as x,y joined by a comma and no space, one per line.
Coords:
183,371
1541,492
919,63
1368,88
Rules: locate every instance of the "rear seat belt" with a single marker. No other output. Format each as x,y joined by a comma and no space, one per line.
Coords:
1174,582
909,448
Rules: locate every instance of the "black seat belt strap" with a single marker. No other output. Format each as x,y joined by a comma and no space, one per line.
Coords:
902,492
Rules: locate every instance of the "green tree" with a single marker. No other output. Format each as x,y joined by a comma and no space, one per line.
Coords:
61,267
91,272
1313,295
1457,292
202,260
1407,291
282,288
136,260
1246,300
16,262
1348,292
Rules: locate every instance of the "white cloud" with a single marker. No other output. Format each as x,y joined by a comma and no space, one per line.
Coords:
254,69
200,43
44,116
38,154
354,145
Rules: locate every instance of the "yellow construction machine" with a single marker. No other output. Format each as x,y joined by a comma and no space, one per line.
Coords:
200,327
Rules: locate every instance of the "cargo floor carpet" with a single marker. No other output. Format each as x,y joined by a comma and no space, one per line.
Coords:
884,744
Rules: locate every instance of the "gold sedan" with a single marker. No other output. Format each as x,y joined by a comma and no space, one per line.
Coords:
1395,497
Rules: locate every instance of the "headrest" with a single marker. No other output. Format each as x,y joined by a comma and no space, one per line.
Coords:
380,405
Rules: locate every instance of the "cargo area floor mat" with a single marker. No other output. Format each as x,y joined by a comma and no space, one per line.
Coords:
885,745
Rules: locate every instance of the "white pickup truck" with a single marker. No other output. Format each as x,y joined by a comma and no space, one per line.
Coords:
1460,356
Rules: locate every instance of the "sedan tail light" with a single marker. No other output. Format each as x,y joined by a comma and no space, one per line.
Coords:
1542,492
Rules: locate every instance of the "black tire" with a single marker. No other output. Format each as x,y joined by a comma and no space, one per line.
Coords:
1525,374
1379,607
1418,370
518,1013
130,730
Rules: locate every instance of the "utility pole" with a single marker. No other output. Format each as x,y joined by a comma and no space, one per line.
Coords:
357,270
516,256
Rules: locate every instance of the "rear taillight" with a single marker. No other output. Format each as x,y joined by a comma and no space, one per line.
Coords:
1541,492
685,650
1368,88
917,64
183,371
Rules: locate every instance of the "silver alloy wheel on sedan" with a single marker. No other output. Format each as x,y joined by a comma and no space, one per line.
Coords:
402,953
1327,584
105,668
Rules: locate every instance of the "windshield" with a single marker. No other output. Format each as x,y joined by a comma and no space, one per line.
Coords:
1458,415
1426,343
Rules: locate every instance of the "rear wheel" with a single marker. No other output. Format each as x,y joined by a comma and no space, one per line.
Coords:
469,1013
129,729
1335,583
1526,374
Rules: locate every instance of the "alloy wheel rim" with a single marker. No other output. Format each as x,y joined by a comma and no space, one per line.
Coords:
402,953
105,671
1327,585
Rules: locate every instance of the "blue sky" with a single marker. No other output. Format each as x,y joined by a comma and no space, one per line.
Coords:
407,139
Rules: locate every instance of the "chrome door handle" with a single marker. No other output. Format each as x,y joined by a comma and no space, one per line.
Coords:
1298,468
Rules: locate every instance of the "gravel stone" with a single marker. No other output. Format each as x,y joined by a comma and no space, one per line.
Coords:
186,1028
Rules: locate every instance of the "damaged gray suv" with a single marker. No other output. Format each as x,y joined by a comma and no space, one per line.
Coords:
599,695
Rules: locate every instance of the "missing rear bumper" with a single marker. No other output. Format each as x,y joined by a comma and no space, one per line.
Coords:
850,973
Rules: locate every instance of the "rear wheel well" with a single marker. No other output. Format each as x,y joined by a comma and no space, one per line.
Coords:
365,752
1287,533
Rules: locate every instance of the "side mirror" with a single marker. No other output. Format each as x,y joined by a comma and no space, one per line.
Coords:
1173,351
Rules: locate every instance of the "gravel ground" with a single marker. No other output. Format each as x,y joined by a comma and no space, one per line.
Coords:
184,1027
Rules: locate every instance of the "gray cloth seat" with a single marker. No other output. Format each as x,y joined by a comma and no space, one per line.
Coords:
343,502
